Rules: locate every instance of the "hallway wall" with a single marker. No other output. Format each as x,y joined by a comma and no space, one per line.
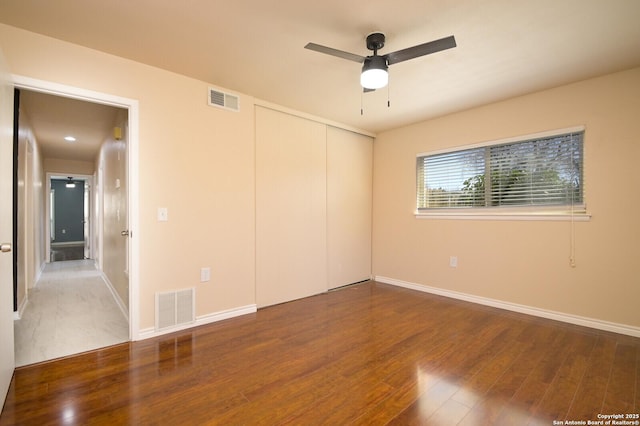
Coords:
64,167
112,161
31,210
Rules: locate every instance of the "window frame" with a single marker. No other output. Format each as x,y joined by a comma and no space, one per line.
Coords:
574,212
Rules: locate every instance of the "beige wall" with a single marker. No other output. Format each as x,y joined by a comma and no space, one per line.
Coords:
112,161
63,166
195,160
21,211
524,262
36,233
31,217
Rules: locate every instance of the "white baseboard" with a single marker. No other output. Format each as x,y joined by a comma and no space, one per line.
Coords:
201,320
529,310
20,312
116,296
68,244
39,272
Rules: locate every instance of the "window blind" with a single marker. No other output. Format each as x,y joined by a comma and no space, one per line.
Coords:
536,172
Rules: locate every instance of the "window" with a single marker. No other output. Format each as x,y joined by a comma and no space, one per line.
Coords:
531,174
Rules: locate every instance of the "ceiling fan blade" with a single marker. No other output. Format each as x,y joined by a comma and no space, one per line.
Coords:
367,90
335,52
420,50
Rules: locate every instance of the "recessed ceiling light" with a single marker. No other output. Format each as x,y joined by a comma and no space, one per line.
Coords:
69,139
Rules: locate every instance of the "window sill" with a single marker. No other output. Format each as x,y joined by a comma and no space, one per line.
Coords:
511,216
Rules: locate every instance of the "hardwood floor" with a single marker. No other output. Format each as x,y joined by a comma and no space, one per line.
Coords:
369,354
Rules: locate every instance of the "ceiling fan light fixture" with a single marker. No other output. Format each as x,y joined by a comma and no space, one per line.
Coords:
374,73
374,69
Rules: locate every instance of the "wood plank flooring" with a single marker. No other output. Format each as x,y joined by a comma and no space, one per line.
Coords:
368,354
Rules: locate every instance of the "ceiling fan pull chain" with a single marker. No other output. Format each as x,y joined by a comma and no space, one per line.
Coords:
361,103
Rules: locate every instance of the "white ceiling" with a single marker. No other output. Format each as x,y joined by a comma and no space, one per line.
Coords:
505,48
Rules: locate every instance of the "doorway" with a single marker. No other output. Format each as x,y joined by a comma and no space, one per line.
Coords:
89,226
69,218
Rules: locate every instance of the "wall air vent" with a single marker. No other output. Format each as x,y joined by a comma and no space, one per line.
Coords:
223,100
175,308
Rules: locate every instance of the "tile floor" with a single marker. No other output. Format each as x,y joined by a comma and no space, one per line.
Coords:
70,310
72,252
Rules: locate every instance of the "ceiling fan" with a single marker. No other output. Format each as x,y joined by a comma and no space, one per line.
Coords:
374,69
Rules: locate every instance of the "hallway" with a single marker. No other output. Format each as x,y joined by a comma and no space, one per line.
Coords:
70,310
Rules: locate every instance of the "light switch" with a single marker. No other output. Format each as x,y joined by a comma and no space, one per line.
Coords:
163,214
205,274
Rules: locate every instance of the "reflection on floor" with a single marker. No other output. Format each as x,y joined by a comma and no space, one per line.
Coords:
69,252
70,310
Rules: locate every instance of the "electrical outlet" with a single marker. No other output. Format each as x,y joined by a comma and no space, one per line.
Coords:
163,214
453,261
205,274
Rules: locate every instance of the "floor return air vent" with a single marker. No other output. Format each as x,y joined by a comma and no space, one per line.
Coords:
223,100
175,308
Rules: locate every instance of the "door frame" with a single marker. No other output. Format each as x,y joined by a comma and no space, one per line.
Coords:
132,105
78,177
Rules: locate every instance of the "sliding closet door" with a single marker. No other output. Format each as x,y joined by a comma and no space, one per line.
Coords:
291,209
349,198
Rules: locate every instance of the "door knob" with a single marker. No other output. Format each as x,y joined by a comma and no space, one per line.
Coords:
5,247
125,233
